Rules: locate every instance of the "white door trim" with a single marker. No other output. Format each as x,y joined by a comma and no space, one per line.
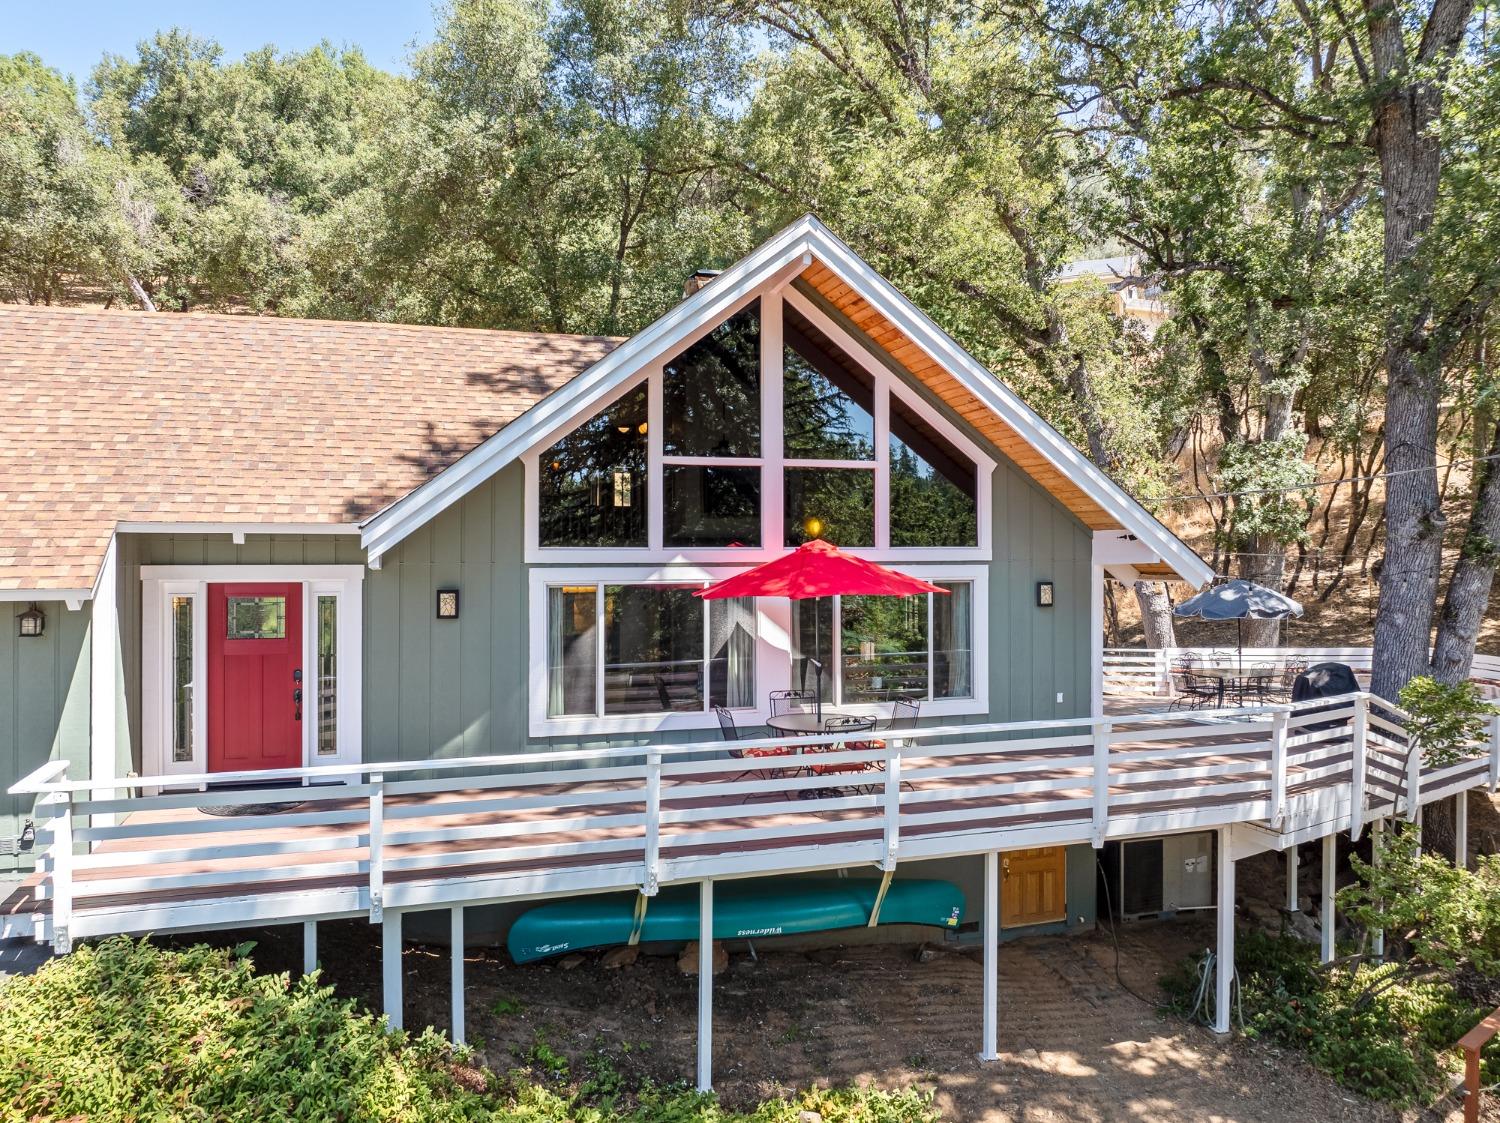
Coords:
161,583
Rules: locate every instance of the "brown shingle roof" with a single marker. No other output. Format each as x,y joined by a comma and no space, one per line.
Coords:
110,417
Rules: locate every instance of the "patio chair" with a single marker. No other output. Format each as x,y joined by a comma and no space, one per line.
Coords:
1280,690
848,725
729,731
1191,691
785,701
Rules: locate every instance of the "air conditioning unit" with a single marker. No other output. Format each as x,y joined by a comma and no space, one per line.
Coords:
1160,876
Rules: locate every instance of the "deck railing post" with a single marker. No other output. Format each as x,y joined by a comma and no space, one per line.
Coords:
1495,752
892,805
1360,745
61,853
377,847
1278,766
1102,733
1413,783
652,881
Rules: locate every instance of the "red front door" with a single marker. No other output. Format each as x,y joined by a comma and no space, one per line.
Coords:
254,676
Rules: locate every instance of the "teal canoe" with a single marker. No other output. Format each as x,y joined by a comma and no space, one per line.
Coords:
742,910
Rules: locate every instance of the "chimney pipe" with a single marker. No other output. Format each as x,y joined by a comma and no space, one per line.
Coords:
698,280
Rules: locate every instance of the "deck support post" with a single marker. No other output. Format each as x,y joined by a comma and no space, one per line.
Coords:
1330,853
705,985
309,946
456,947
991,935
1291,878
1224,921
390,966
1377,843
1461,830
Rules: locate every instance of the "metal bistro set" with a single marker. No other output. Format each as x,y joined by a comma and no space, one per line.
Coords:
1223,678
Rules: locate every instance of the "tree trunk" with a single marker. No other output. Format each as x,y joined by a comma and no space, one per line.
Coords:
1156,614
1264,562
1410,160
141,296
1473,578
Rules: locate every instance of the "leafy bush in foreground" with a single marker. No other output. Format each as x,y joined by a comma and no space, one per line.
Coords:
128,1031
1388,1037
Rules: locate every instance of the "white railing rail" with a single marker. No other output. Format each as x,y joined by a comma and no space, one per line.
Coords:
1147,671
643,816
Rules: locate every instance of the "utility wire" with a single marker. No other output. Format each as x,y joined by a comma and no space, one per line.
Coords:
1207,495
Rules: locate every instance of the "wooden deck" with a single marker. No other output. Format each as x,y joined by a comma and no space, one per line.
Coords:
429,834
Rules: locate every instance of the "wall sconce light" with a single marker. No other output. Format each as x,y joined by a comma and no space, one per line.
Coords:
1045,594
32,622
447,604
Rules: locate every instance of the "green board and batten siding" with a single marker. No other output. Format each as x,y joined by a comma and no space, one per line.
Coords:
44,706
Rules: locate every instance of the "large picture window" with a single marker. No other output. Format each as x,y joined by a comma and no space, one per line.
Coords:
878,649
730,445
628,649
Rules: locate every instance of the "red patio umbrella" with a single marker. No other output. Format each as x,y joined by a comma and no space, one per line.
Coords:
818,569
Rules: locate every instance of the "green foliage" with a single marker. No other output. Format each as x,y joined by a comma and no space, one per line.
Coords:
126,1031
1449,721
1448,918
1385,1038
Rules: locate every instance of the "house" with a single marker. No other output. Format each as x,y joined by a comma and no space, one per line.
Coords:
1133,295
440,581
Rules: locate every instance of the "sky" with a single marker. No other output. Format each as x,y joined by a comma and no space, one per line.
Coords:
73,35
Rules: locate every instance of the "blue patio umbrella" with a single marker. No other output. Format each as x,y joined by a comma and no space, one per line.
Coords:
1236,600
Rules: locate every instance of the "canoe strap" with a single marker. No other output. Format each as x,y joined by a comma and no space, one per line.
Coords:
885,883
639,920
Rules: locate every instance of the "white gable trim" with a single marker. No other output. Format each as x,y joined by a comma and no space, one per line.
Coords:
775,262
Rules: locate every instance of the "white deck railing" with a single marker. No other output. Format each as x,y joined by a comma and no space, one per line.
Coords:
1145,672
138,854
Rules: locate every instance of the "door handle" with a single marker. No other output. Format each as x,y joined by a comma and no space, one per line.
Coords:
297,699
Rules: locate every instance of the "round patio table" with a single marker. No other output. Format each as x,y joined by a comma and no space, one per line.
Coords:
1227,673
804,722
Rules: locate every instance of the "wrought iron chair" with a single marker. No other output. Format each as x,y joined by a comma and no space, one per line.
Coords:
1280,690
847,725
1191,690
785,701
729,731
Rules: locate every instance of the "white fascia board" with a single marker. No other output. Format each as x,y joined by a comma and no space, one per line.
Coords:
784,253
788,252
70,597
236,528
1005,403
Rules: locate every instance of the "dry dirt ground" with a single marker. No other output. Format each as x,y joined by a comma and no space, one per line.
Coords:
1077,1045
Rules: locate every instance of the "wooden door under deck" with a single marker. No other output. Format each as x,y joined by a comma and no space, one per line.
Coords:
1033,886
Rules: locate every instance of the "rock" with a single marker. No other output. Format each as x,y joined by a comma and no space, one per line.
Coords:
568,962
927,953
810,1117
687,962
622,956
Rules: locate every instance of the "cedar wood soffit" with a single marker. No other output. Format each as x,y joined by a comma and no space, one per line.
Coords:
809,252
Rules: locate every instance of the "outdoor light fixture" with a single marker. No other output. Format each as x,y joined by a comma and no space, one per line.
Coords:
447,604
813,526
1044,594
32,622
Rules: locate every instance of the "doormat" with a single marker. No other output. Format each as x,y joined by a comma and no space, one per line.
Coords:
230,810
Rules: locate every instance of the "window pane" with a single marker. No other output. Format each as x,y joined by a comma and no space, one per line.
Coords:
813,625
731,645
835,504
884,648
592,483
953,641
182,679
328,676
653,649
933,486
711,392
571,653
828,401
256,618
711,506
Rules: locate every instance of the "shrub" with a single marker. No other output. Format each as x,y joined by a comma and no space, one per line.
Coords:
1448,721
124,1031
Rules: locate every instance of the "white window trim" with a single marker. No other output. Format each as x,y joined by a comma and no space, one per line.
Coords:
887,385
773,650
160,583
